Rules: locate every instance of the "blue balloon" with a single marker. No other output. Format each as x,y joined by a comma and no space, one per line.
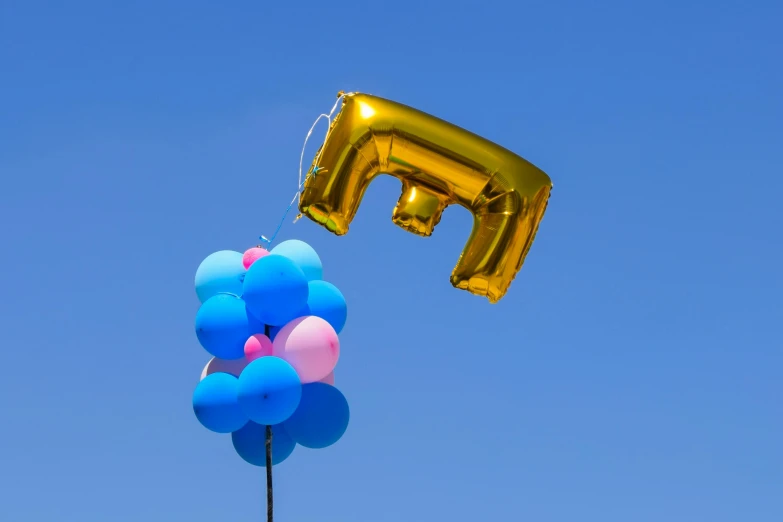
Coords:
327,302
221,272
269,390
250,444
303,255
216,404
223,326
321,418
275,290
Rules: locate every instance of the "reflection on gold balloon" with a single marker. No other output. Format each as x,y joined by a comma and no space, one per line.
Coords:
439,164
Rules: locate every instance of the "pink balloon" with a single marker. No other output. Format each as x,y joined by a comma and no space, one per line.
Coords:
310,345
252,255
257,346
215,365
329,379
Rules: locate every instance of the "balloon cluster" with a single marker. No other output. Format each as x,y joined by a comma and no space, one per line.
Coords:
271,323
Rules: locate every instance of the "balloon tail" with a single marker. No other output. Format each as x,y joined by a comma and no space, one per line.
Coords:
269,502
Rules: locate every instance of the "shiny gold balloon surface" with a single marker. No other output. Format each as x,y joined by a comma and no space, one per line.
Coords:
439,164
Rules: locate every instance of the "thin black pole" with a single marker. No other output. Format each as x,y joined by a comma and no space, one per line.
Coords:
268,444
269,473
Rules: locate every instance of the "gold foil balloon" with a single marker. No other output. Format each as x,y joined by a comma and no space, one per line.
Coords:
439,164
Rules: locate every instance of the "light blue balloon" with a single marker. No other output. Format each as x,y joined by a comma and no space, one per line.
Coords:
303,255
221,272
275,290
223,326
321,418
327,302
269,390
216,404
250,444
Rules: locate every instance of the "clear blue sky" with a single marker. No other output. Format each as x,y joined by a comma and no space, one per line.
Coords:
632,373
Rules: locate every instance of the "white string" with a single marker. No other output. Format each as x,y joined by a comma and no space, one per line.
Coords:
328,128
268,241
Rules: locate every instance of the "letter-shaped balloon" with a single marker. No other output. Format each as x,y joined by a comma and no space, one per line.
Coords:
439,164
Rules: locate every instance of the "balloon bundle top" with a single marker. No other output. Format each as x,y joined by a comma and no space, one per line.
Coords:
271,324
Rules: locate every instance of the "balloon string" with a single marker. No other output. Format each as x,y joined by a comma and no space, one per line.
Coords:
328,129
268,241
